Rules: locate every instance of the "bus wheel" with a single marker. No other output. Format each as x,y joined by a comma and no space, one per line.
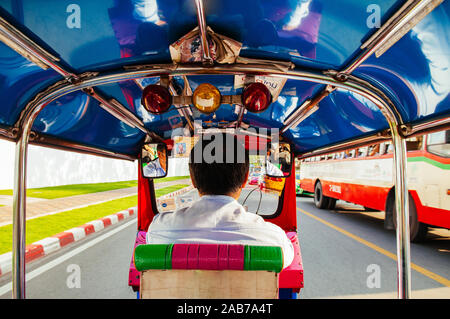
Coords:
331,203
417,230
320,200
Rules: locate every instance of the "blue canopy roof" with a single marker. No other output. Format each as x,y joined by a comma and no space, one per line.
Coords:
317,35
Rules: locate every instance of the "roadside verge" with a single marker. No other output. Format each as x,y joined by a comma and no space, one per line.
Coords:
53,243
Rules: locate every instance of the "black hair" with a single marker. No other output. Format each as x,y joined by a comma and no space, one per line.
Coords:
160,147
218,164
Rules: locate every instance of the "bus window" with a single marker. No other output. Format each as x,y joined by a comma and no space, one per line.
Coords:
362,152
439,143
383,147
390,148
374,150
414,143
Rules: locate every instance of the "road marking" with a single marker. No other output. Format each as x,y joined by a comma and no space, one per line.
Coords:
433,293
32,274
417,268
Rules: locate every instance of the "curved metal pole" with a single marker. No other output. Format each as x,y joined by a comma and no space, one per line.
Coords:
352,84
19,205
19,219
29,49
402,211
397,26
203,32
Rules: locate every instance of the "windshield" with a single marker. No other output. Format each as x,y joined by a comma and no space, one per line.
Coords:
260,195
253,198
439,143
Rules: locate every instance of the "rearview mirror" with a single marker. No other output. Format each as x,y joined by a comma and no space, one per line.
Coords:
154,160
278,160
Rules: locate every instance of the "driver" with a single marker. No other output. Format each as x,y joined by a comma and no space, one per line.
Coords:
285,159
218,173
272,169
155,167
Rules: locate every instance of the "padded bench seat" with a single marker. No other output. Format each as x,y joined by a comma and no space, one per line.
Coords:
208,257
289,278
191,271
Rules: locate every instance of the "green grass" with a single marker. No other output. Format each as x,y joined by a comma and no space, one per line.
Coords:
168,179
80,189
45,226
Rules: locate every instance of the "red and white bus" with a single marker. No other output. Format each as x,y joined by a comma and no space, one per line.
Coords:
364,176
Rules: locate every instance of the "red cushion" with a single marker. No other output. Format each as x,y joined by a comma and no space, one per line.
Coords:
292,276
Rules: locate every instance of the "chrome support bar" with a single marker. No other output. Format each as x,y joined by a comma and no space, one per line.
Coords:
240,110
306,109
354,84
187,91
8,133
182,110
397,26
207,59
119,111
20,43
51,142
402,212
424,128
19,205
19,219
361,142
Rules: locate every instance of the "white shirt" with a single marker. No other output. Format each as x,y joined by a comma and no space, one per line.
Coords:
154,169
272,170
218,219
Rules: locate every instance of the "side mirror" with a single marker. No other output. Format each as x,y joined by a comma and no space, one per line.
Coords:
154,160
279,160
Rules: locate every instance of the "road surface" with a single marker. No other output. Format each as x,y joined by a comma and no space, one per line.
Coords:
346,254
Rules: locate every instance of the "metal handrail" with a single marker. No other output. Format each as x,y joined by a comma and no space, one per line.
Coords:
72,82
357,86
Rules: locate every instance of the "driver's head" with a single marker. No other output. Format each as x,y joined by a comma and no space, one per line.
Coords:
161,150
218,164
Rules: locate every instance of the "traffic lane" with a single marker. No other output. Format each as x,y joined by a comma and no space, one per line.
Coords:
103,267
103,263
338,265
432,254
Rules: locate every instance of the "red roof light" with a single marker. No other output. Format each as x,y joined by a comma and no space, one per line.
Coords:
156,99
256,97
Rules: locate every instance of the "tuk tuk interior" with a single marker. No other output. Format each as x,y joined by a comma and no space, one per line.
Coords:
335,75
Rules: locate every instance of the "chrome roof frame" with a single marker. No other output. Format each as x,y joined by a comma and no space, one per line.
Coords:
63,87
335,78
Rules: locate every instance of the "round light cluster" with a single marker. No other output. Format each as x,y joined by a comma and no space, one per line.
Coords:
156,99
206,98
256,97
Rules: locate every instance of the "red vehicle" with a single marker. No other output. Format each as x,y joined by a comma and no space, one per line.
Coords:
253,179
363,176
